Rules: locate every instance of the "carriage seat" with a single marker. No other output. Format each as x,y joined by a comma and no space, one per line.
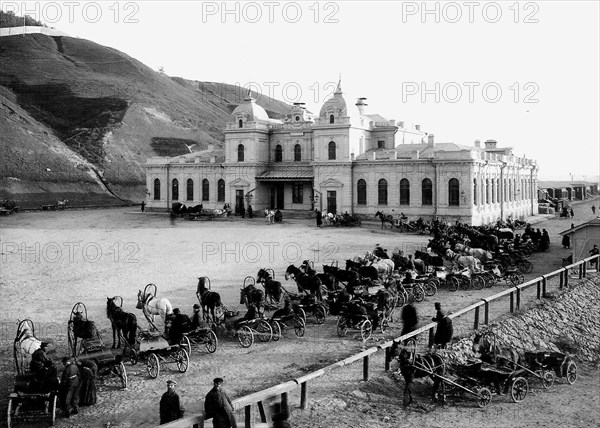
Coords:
93,345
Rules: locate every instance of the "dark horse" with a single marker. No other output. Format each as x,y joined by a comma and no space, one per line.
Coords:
273,289
485,345
209,300
83,329
250,295
364,271
385,219
415,366
123,323
351,278
305,282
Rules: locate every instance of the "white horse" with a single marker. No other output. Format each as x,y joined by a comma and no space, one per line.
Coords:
62,204
27,341
383,266
153,306
464,261
270,216
479,253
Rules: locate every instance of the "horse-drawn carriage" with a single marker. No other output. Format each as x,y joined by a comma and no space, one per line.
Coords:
154,347
34,396
8,206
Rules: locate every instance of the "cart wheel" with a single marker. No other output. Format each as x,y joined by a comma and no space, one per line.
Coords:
211,341
299,327
183,360
52,409
430,288
153,366
122,373
453,283
276,331
366,329
185,344
302,313
385,324
9,413
319,312
571,372
490,280
418,293
516,278
400,299
265,332
548,379
478,282
484,397
465,283
525,266
245,336
342,328
519,389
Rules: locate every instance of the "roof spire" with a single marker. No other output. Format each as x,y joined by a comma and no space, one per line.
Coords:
249,96
338,90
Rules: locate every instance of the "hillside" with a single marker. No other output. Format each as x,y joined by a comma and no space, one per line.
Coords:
80,119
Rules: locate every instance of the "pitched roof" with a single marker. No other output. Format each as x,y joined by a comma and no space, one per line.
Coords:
591,223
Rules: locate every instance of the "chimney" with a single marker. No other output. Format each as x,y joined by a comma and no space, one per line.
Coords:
477,143
418,127
490,144
360,103
430,139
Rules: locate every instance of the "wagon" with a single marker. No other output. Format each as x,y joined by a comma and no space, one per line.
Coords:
557,363
32,398
279,324
246,331
362,323
94,349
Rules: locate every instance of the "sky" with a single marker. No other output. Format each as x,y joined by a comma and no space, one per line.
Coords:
525,74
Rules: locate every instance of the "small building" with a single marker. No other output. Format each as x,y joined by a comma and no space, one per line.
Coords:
583,238
569,190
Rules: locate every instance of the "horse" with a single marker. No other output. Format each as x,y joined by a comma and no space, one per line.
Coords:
305,282
26,339
385,219
152,306
270,216
83,329
414,366
62,204
196,209
383,266
492,353
123,323
351,278
465,261
364,271
479,253
209,300
430,259
250,295
273,289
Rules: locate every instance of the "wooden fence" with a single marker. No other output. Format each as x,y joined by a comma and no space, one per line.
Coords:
481,311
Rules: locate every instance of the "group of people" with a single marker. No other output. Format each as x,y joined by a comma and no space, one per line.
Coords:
444,331
77,385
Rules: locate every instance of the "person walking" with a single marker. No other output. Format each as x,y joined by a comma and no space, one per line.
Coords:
170,405
143,206
249,211
566,241
572,213
69,388
319,217
218,407
593,209
444,330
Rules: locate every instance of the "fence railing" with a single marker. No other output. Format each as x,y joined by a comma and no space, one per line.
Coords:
515,297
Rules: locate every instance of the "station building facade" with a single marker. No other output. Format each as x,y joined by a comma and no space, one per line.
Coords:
345,160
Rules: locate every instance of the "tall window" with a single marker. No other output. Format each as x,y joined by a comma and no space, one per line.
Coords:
297,193
189,190
175,189
278,153
453,192
361,192
404,192
297,153
426,192
382,188
221,190
475,191
505,191
241,153
331,119
381,144
487,190
156,189
331,150
240,123
205,189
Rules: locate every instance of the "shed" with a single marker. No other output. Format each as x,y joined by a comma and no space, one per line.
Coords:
583,238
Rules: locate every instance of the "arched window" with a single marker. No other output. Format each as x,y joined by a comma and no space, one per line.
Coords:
278,153
205,189
404,192
382,188
241,153
190,190
331,150
221,190
240,123
453,192
475,191
297,153
175,190
426,192
156,189
361,192
331,119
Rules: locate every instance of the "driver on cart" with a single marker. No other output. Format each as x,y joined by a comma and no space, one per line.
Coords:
43,368
235,321
180,323
285,312
355,312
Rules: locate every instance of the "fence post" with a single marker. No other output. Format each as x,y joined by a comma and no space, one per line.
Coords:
431,335
486,313
566,277
476,320
303,395
284,403
539,289
518,298
366,367
560,285
544,284
584,264
580,270
248,416
512,302
388,359
261,411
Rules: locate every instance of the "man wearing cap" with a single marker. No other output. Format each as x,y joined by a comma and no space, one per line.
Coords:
217,406
170,406
444,331
69,385
196,318
43,368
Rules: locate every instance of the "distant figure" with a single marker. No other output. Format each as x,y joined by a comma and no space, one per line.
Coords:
69,388
319,217
143,206
249,211
278,217
217,406
88,371
566,241
594,252
197,317
170,405
280,417
409,319
572,213
444,330
593,209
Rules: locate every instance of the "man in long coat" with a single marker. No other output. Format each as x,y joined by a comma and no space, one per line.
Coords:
217,406
444,330
170,405
69,386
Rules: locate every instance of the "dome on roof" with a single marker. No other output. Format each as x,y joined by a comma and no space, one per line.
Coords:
336,105
249,111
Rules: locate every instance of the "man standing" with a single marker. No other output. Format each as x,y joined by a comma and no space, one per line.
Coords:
409,319
593,209
170,406
444,331
217,406
319,217
143,206
594,252
69,385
